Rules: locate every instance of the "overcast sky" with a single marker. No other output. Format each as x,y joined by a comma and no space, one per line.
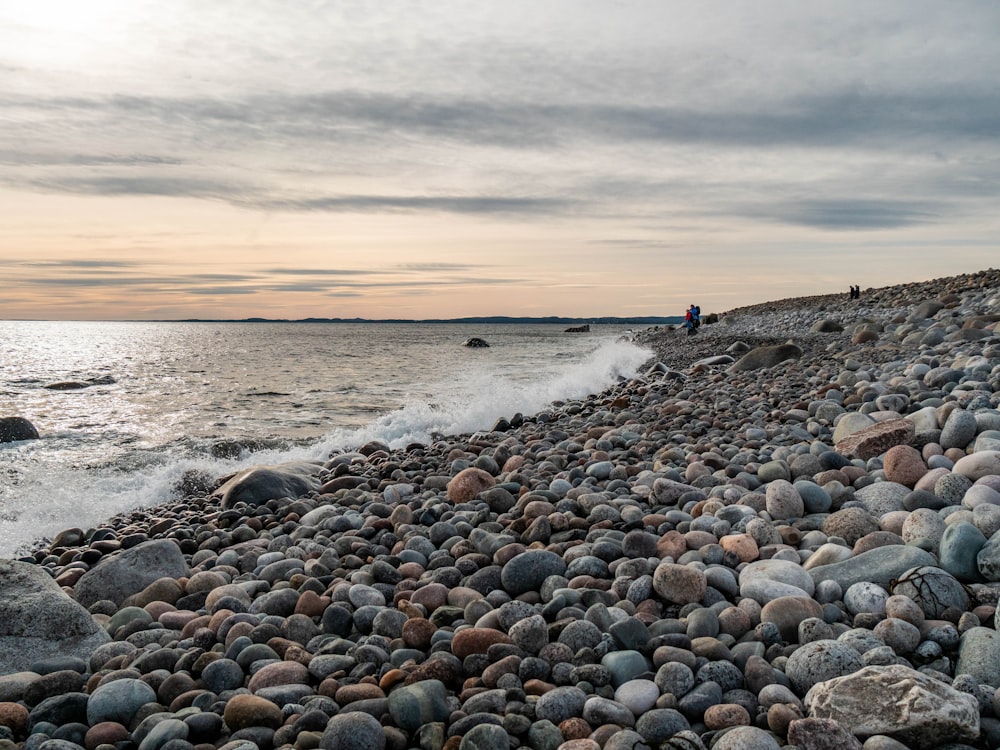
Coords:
240,158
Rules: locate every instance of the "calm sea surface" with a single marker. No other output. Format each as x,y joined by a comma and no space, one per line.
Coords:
219,396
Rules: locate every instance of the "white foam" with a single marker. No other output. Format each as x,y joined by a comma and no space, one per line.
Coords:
482,397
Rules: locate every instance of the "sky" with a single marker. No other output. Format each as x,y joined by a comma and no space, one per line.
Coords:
399,158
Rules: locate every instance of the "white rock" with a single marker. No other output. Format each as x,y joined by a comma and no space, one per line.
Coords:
898,701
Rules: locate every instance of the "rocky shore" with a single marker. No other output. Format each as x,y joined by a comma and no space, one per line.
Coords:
785,533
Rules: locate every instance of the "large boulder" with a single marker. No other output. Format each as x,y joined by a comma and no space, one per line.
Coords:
827,325
13,429
262,483
875,440
766,356
898,701
880,565
39,620
118,576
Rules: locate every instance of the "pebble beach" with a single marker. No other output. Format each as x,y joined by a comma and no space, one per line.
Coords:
783,533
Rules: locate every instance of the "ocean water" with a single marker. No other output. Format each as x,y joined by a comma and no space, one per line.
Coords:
165,398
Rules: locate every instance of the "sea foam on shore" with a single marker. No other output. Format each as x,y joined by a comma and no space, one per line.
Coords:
785,532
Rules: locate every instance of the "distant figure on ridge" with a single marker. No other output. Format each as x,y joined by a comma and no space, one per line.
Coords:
697,315
689,321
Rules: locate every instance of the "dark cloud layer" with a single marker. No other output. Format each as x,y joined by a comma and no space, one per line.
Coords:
825,118
889,125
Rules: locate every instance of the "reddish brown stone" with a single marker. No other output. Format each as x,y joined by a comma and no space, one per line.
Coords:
788,611
476,641
537,687
726,715
780,716
904,465
244,711
468,483
575,729
280,673
741,545
14,716
417,632
311,604
431,596
671,544
358,692
105,733
507,665
390,678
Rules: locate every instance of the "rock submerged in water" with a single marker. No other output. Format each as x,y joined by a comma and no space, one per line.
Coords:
686,560
474,342
14,429
76,385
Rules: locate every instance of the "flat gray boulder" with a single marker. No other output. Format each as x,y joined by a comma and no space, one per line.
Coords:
39,620
880,565
827,325
766,356
262,483
118,576
718,359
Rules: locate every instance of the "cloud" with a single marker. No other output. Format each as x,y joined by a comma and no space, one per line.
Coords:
220,290
848,214
48,159
317,271
74,263
848,115
147,184
436,267
478,204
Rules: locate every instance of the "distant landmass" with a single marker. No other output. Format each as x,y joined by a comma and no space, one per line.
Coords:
644,320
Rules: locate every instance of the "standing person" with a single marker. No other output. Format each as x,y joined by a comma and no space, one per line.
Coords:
697,315
689,321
